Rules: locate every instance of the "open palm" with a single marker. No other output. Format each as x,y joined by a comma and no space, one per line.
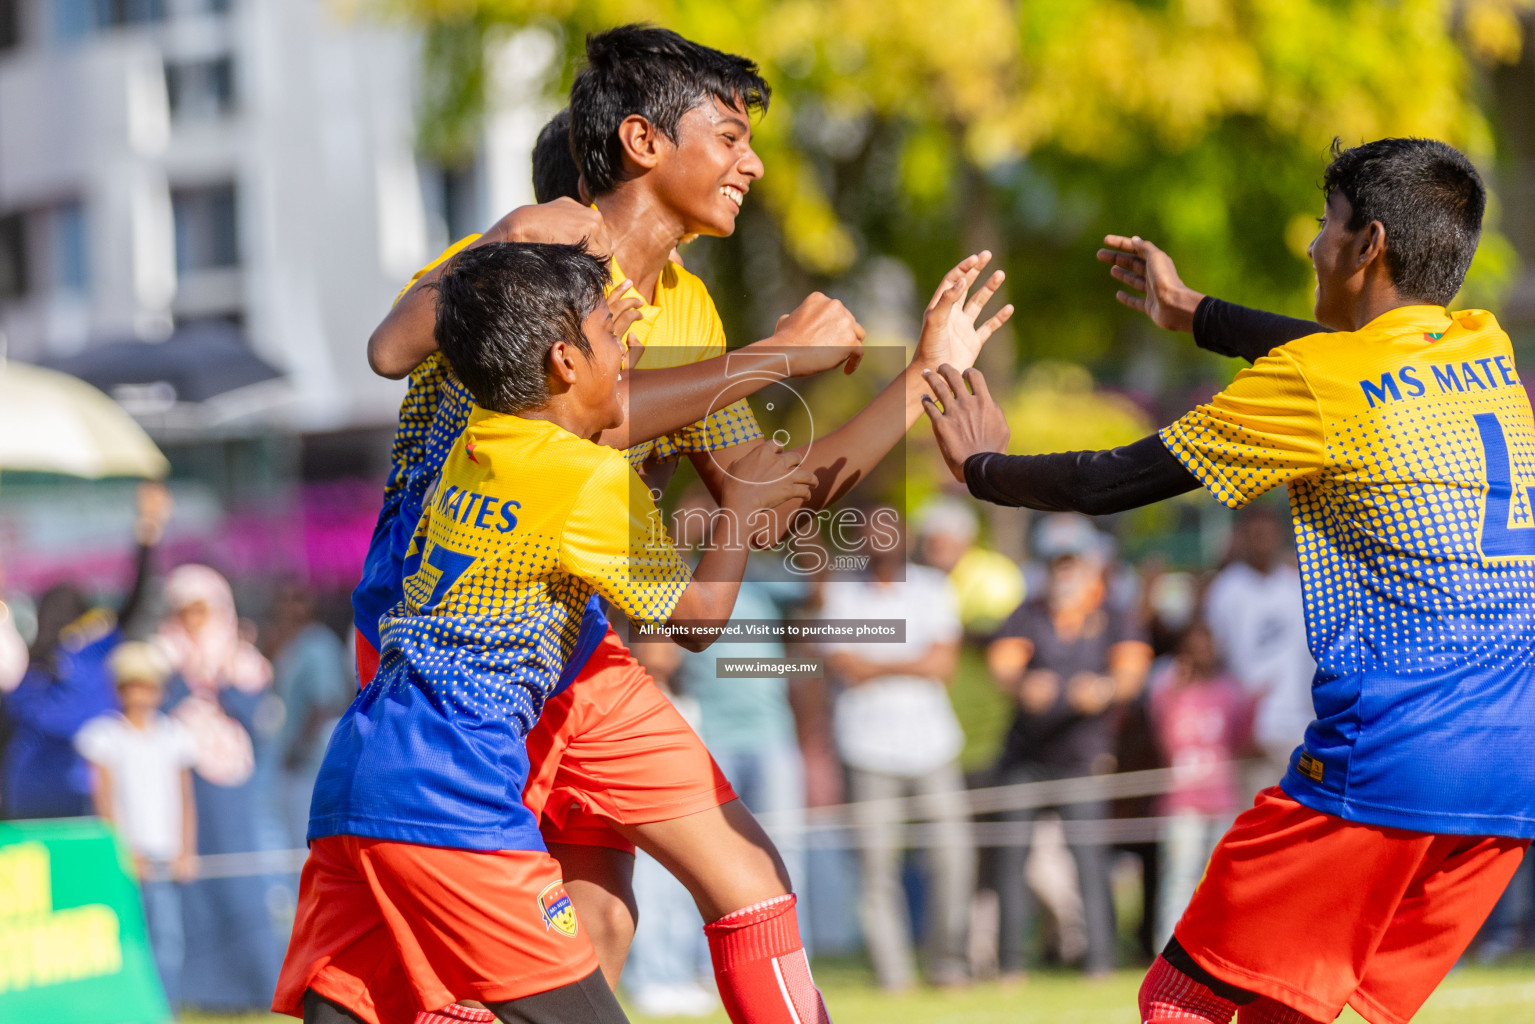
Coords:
1164,297
950,333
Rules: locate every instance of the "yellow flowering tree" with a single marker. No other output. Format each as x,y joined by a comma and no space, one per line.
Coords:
913,129
908,132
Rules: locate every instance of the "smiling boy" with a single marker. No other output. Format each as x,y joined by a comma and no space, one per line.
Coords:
661,128
1405,438
426,869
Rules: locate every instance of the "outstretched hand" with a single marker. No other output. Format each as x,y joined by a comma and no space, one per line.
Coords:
966,419
949,331
1145,268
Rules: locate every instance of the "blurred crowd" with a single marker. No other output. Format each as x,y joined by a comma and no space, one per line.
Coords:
197,733
957,860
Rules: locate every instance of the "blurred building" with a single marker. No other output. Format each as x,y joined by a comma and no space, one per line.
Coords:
165,162
167,166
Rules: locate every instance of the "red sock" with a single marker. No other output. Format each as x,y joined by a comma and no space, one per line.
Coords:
1264,1010
760,966
1168,996
456,1014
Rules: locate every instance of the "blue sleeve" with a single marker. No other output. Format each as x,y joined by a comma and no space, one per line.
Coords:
59,706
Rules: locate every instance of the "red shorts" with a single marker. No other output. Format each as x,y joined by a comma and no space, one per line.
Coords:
612,749
389,929
1317,912
367,658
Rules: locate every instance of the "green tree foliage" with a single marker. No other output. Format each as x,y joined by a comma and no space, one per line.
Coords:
917,131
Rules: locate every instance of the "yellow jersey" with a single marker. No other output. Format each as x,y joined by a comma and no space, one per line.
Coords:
1408,448
526,524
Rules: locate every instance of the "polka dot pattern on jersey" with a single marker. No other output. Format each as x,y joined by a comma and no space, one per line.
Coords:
1408,449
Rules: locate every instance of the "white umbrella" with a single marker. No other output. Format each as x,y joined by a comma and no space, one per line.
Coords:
51,422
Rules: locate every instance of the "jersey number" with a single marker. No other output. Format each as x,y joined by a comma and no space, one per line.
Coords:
451,566
1498,539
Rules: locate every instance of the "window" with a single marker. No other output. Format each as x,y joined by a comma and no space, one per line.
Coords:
13,256
201,88
461,200
10,24
117,13
74,20
71,260
206,227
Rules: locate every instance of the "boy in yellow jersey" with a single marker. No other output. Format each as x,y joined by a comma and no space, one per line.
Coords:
613,762
1405,437
427,871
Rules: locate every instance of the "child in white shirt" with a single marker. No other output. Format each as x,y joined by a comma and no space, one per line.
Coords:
142,785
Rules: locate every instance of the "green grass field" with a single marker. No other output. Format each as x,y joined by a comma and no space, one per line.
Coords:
1505,995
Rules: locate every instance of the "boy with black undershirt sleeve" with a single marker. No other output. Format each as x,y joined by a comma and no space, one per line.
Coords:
1404,436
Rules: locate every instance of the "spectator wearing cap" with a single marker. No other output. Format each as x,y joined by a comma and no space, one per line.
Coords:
1067,659
987,584
141,784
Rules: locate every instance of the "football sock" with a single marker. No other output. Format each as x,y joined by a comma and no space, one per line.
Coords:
1270,1011
1168,996
456,1014
760,966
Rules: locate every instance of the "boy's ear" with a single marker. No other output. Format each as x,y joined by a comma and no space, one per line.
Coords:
641,140
1371,243
562,365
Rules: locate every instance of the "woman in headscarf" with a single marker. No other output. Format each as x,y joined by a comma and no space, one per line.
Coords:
220,684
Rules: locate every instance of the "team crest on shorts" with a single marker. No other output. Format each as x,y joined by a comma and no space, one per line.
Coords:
556,909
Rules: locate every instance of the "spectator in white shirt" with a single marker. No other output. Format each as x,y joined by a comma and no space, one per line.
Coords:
1254,610
141,763
897,734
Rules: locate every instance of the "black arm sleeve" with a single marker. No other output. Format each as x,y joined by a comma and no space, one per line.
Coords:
1095,483
1230,330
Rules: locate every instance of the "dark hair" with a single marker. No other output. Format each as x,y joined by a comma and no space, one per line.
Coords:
657,74
555,172
60,606
1429,199
502,306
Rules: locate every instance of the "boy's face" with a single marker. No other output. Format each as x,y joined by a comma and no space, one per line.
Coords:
705,175
1333,255
597,390
139,694
1198,652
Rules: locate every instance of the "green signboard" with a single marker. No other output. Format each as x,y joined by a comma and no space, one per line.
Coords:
72,944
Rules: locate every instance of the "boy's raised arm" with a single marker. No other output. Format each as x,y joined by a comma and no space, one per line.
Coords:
819,335
762,478
404,338
1218,326
615,539
951,333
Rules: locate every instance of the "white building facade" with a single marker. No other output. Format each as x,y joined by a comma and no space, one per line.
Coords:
169,161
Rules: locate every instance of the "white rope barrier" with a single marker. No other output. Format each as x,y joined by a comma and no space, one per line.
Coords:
901,820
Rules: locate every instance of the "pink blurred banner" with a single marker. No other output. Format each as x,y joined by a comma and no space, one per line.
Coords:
319,536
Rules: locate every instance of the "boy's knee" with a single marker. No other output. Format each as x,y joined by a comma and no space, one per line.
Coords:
612,919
